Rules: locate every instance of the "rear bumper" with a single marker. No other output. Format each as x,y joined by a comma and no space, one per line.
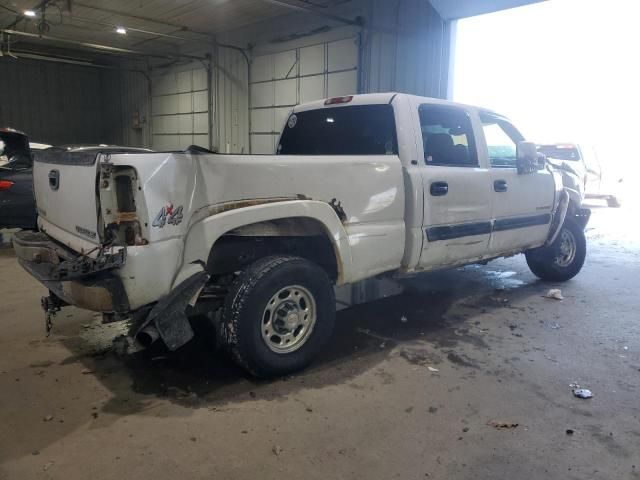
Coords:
99,292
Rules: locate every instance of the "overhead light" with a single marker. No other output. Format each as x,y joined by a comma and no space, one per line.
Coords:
121,30
29,13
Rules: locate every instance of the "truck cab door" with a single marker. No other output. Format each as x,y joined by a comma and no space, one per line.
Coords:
456,186
522,202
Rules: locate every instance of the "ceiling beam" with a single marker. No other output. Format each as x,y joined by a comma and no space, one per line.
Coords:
313,11
99,47
120,13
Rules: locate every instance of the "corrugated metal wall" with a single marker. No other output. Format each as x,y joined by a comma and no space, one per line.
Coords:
52,102
232,103
407,49
127,108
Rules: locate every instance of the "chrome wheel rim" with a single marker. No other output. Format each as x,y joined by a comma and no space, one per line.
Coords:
288,319
567,249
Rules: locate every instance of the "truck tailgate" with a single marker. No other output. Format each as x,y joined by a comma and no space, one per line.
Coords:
65,190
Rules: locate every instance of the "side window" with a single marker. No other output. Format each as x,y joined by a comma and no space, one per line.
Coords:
447,136
502,139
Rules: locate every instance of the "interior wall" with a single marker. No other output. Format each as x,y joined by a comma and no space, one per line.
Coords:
267,40
51,102
404,47
407,49
180,107
232,101
127,108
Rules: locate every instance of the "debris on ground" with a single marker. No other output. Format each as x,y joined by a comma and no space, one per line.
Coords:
86,371
277,450
502,424
47,418
582,393
569,431
433,369
404,319
574,385
47,466
555,294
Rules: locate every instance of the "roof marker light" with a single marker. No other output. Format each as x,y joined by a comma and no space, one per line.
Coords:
338,100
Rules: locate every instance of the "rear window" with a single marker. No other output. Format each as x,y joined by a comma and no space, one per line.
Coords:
353,130
561,152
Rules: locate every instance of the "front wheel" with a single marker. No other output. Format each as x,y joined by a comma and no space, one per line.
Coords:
278,315
562,260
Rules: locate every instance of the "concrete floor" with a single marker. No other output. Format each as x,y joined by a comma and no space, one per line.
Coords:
370,408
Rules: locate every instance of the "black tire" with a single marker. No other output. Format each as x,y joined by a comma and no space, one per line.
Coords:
543,261
614,202
241,326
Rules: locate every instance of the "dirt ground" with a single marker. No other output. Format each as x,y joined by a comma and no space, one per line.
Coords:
413,386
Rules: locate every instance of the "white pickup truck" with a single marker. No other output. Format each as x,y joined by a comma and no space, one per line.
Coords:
360,186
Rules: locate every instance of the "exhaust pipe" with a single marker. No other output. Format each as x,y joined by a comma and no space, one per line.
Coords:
147,336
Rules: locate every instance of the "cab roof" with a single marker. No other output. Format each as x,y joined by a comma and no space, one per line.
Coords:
379,99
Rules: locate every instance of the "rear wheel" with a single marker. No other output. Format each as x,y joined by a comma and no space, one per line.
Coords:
563,259
278,315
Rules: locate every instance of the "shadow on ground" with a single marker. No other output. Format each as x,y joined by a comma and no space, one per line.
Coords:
432,315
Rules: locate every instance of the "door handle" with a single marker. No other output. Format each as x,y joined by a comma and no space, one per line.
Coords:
439,189
500,186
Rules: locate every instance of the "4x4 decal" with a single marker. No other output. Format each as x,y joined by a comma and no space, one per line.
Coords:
168,214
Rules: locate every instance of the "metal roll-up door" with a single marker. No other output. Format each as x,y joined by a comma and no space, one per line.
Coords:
279,81
180,105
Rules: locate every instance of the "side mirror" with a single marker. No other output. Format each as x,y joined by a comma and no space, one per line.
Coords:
528,159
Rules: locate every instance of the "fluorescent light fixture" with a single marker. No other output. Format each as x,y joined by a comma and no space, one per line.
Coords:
121,30
29,13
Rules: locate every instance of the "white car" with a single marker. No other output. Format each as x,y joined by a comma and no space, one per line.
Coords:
605,183
361,186
569,160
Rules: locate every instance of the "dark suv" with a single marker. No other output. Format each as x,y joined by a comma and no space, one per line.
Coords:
17,208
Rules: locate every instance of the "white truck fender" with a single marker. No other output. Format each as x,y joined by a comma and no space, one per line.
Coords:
558,217
203,234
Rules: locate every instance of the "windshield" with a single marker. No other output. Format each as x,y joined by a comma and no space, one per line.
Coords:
561,152
352,130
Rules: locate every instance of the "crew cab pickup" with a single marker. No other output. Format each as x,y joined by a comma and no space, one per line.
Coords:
360,186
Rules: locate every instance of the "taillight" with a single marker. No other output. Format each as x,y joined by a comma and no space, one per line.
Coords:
338,100
5,185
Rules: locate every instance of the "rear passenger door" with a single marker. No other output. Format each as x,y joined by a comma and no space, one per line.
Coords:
522,202
456,187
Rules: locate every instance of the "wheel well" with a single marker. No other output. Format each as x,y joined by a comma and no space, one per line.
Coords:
300,236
